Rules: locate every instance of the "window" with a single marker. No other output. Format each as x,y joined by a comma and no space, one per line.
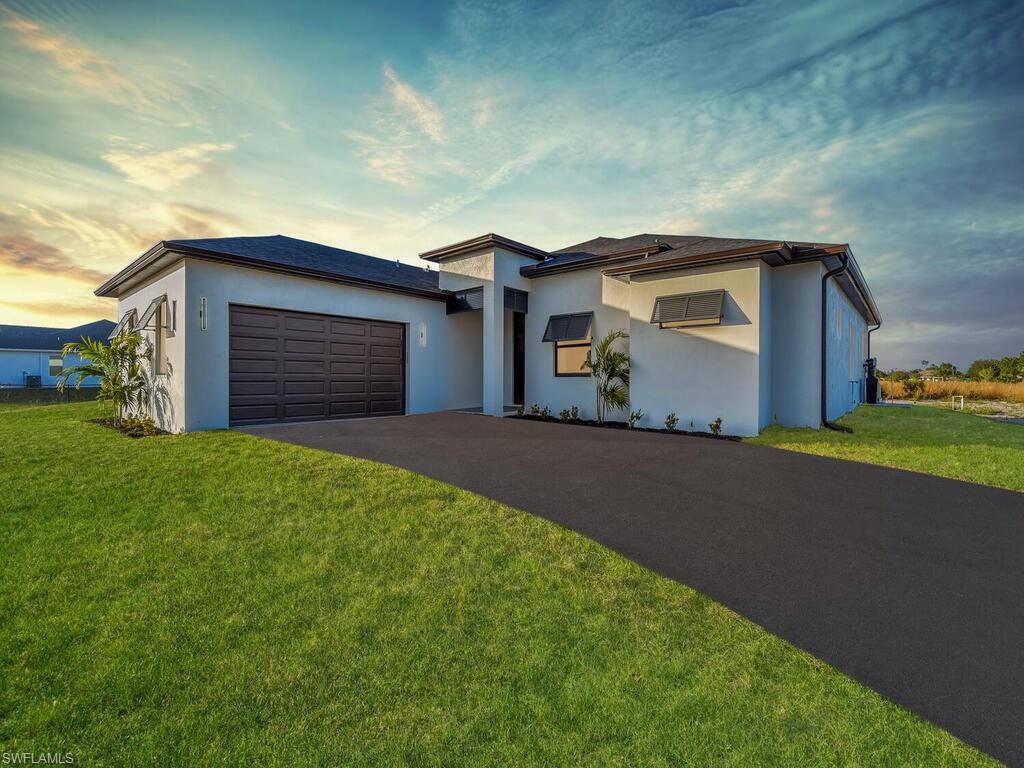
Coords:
570,358
571,336
854,343
56,365
160,347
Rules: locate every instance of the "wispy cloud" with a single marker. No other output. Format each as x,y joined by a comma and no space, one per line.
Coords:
86,68
416,105
161,170
21,252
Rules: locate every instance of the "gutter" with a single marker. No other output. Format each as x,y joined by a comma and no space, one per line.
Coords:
844,264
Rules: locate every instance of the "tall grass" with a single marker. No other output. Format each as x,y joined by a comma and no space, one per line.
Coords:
971,390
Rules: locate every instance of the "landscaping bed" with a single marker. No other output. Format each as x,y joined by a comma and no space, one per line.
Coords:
134,428
624,425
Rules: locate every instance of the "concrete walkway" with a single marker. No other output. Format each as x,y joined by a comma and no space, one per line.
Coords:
912,584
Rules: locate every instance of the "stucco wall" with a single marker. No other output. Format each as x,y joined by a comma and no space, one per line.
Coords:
796,345
845,336
699,373
583,291
438,375
167,405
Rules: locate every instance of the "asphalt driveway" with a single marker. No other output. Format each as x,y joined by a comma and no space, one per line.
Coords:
912,584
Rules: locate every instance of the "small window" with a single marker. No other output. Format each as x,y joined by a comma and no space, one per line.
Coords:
56,365
854,343
571,358
160,348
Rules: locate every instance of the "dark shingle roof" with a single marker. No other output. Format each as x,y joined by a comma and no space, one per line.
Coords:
323,259
34,337
672,246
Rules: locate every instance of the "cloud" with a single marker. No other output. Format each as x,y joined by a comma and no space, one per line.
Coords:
164,169
195,221
418,106
66,313
85,67
20,251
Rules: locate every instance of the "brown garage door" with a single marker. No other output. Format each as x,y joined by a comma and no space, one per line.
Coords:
294,366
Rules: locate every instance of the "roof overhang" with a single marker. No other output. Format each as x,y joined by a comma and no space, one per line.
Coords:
483,243
778,254
533,270
163,255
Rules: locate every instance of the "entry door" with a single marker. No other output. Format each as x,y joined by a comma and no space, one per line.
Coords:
297,366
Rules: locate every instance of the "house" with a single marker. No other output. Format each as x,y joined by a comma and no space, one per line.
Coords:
261,329
31,356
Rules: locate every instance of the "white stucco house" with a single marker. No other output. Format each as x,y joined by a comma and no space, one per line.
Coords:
262,329
31,356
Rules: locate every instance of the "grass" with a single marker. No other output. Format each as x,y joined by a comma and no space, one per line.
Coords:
215,598
923,439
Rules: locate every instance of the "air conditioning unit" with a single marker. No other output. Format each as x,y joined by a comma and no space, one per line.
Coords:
33,381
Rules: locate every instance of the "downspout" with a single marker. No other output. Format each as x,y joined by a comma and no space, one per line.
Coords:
870,331
824,343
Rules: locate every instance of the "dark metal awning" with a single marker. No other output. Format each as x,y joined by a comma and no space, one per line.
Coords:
149,319
574,327
128,320
686,309
468,300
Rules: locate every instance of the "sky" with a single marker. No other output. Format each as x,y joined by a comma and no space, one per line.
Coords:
393,128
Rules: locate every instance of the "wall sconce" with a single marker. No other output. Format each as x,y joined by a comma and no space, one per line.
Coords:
202,314
423,334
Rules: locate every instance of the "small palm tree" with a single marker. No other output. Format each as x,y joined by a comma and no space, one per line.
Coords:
119,367
610,370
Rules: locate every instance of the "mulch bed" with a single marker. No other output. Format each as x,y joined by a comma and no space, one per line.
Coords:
131,431
624,425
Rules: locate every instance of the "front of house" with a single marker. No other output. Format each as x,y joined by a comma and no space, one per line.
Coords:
32,356
261,329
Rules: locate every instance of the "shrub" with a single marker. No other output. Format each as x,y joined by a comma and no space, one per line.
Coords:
634,417
574,412
716,426
914,387
120,367
609,368
564,414
671,421
535,410
520,411
545,413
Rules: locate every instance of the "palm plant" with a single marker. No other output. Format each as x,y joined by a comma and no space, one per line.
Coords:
609,368
119,366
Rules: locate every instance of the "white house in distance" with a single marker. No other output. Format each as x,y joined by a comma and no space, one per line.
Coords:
263,329
30,356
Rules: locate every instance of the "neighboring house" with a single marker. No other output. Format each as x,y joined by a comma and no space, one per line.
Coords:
28,351
259,329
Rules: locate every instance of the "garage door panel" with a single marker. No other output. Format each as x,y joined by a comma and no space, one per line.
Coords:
298,366
254,387
313,366
255,366
304,346
348,348
253,344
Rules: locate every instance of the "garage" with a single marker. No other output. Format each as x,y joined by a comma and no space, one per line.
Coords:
297,366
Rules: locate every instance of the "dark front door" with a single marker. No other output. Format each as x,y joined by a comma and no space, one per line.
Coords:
518,358
297,366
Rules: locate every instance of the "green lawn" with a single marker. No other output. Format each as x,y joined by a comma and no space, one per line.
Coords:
921,438
216,599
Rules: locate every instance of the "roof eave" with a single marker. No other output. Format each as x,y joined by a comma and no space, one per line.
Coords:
483,242
164,248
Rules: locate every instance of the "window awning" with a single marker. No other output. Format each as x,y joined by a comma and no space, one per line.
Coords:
574,327
468,300
128,320
688,309
149,319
